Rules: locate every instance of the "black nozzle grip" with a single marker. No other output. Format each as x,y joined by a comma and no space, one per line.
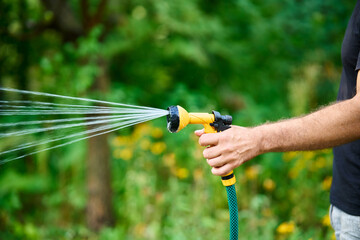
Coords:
221,122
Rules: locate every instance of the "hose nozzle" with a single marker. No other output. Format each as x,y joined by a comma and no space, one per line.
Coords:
179,118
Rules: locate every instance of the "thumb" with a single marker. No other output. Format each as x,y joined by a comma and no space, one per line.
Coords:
199,132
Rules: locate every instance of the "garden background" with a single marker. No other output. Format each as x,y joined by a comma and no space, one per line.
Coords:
256,60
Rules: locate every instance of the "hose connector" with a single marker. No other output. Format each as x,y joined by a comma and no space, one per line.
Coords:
228,179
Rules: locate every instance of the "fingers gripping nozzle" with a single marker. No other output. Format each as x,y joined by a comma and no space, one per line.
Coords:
178,118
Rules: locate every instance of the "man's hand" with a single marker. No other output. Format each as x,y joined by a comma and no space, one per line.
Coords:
229,149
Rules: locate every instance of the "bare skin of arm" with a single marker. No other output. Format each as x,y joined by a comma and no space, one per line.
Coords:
328,127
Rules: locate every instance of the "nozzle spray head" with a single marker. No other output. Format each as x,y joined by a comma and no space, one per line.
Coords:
177,119
173,119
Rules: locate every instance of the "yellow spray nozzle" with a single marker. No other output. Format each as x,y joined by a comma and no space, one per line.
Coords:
179,118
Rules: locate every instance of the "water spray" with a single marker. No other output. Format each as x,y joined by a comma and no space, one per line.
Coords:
178,119
61,124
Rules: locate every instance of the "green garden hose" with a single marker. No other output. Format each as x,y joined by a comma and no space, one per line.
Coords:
233,210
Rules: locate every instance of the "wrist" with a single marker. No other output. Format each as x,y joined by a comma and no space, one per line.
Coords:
261,135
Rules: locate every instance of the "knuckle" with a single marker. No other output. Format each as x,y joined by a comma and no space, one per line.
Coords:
206,153
215,171
212,163
223,160
222,137
201,141
223,172
234,164
226,136
227,150
234,156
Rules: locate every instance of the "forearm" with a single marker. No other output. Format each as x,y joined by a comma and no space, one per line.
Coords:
328,127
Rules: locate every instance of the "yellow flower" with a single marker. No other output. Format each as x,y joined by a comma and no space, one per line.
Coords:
326,220
169,160
320,162
302,163
327,151
198,174
269,185
125,154
252,172
145,144
158,148
293,173
141,130
120,141
288,156
142,127
309,155
182,173
326,184
140,229
286,228
157,132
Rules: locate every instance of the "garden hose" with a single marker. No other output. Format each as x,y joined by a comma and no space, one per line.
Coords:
233,211
179,118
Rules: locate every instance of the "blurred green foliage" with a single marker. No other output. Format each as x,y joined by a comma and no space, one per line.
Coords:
256,60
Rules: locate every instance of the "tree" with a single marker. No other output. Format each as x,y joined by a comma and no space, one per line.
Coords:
99,207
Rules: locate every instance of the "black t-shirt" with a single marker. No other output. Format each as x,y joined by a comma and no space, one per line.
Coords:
345,189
